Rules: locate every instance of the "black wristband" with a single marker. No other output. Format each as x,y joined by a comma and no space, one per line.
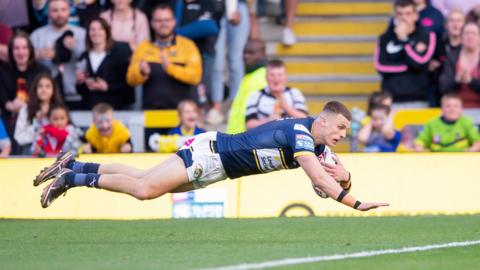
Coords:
341,196
349,176
357,204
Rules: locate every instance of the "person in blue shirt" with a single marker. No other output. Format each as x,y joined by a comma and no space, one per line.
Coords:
379,135
213,156
188,115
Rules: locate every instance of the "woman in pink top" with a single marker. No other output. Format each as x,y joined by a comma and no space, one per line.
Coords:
128,24
461,72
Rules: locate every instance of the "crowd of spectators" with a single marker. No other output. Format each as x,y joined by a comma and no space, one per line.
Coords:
429,56
58,56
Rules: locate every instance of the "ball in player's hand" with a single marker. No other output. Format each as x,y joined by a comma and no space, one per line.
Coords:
319,192
327,157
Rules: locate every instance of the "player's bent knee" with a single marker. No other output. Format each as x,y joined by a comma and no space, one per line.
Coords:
146,192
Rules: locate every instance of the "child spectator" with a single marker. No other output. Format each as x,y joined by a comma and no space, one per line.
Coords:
58,135
451,132
188,115
106,134
5,143
379,135
43,95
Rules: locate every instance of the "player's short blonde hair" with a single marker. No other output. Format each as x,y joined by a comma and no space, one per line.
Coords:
336,107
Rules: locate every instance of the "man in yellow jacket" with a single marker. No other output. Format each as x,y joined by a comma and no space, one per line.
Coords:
169,67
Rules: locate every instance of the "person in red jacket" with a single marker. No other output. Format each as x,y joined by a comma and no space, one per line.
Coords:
53,135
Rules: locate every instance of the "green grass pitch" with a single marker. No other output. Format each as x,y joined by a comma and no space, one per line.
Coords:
205,243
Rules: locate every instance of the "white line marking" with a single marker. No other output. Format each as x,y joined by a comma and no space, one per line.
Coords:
336,257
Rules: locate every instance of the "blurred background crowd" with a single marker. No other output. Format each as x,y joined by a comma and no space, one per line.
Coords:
73,74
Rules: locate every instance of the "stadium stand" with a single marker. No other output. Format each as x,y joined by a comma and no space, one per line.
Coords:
332,59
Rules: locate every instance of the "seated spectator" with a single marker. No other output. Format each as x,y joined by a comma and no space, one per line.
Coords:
176,137
106,134
16,78
105,63
188,115
254,56
128,24
402,57
229,47
5,143
276,100
58,135
379,135
5,35
451,132
461,73
377,98
168,68
58,45
43,95
361,119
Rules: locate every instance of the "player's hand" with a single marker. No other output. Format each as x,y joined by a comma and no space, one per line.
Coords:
369,206
337,171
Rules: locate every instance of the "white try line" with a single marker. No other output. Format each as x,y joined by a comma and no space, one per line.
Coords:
336,257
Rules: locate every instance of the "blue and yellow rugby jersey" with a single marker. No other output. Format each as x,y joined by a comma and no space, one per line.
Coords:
269,147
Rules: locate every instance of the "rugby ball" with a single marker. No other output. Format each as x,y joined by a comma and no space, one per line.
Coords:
327,157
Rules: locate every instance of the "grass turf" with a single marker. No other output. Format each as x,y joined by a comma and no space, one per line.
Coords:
190,244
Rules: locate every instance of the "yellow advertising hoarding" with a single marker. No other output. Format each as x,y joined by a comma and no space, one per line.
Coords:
411,183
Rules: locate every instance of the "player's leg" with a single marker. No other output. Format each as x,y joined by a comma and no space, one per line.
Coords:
118,168
161,179
166,177
67,160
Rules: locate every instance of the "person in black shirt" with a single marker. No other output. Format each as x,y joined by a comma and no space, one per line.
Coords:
105,64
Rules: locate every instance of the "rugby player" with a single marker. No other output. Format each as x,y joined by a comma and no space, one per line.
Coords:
213,156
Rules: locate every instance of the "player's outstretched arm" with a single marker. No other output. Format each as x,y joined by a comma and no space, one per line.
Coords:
321,179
